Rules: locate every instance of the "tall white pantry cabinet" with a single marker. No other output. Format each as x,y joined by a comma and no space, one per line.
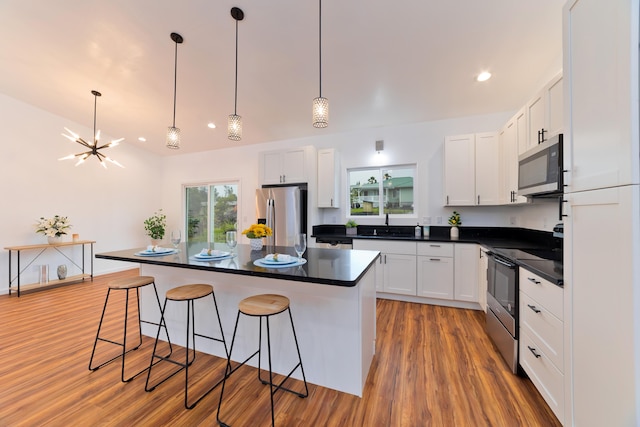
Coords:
602,226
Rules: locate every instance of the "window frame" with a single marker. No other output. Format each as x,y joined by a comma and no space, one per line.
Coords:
379,172
209,184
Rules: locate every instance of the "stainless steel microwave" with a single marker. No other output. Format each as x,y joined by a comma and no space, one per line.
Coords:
540,169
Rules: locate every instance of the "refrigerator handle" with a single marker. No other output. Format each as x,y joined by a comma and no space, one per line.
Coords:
271,215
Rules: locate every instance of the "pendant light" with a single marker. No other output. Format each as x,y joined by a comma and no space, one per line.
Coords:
94,149
320,104
234,127
173,133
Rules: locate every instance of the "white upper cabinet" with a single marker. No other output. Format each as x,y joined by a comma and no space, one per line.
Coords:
460,170
513,138
283,166
601,65
487,169
545,113
328,178
472,169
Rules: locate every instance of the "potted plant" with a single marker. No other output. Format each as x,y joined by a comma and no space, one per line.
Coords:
255,233
155,226
54,228
454,222
351,227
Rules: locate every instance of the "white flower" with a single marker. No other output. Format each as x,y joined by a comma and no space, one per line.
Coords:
52,227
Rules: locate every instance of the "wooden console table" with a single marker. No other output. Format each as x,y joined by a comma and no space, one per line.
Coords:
56,246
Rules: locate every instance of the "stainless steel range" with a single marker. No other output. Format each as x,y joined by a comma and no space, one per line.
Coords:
503,294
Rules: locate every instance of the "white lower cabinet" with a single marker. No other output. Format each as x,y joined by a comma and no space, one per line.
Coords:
541,338
442,271
396,272
435,270
465,272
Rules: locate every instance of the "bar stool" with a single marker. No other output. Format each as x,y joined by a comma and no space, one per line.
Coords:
188,293
127,284
264,306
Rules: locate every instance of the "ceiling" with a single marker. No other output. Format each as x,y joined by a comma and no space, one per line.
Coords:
383,63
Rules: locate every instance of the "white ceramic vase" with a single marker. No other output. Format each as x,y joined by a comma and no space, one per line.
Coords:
256,244
54,239
455,233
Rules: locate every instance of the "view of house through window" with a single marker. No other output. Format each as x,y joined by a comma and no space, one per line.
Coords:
212,210
380,191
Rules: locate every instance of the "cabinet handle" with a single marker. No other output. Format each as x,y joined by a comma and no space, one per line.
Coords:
534,308
284,178
542,131
435,246
385,258
539,137
531,279
533,350
434,259
447,199
331,202
478,199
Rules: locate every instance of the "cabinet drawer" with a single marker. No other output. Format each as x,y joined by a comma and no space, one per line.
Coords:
435,249
546,328
543,374
544,292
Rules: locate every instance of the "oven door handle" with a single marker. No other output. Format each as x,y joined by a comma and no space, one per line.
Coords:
506,264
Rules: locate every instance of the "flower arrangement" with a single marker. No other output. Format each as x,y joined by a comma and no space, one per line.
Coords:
454,220
155,225
258,231
53,227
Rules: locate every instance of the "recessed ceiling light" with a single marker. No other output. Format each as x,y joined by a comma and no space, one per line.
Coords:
142,139
484,76
211,125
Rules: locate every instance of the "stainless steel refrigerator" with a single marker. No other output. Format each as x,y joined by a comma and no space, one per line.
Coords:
284,209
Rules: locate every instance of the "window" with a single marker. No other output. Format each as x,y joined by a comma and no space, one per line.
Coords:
380,191
212,210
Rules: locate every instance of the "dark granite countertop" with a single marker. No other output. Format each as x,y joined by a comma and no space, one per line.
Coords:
489,237
324,266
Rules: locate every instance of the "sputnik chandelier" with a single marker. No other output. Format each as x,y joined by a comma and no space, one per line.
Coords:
94,148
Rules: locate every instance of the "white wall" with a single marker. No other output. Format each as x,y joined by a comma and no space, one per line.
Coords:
108,206
420,143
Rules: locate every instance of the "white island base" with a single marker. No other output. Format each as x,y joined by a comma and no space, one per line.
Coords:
335,325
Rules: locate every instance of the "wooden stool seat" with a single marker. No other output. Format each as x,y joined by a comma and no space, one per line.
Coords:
131,282
263,305
189,292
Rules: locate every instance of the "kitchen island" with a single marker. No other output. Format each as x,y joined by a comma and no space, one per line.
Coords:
332,302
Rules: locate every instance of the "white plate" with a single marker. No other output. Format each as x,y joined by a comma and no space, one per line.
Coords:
272,262
218,255
262,263
156,253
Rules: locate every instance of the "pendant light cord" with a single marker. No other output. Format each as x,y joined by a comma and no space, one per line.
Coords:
95,107
320,42
235,105
175,84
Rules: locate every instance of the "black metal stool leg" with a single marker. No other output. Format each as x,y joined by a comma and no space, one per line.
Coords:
95,343
271,390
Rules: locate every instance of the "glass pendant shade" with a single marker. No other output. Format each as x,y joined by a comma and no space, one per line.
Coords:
320,112
235,127
173,137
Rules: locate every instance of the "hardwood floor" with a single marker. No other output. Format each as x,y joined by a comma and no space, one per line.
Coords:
434,366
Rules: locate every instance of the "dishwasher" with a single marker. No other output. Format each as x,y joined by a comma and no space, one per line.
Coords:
334,243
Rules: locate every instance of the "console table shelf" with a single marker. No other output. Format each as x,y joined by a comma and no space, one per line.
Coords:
18,287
